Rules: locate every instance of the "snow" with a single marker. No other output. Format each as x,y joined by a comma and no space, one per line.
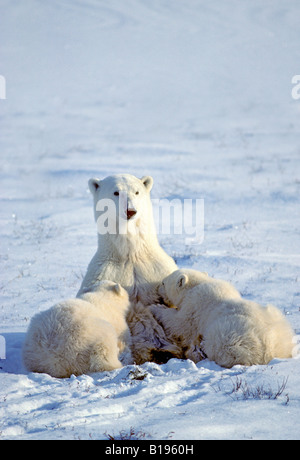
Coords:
199,95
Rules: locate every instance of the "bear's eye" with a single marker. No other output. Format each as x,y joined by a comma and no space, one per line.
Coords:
116,193
137,193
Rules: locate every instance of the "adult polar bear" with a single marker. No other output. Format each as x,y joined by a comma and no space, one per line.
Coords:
129,254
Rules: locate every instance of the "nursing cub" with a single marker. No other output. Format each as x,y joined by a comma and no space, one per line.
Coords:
212,320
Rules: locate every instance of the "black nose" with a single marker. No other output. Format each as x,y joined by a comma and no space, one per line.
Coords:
130,213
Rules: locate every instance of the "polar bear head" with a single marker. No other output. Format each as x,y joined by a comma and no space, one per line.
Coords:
173,288
108,286
177,286
122,204
108,292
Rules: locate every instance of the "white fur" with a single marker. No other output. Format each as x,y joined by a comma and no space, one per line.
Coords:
83,335
149,340
134,259
212,319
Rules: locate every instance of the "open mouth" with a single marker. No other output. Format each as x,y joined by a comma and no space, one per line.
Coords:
130,213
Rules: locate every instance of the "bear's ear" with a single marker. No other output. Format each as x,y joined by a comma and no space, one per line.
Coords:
182,280
147,182
118,289
94,184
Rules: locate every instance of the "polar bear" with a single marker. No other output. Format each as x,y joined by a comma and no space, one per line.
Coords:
129,253
82,335
128,249
212,320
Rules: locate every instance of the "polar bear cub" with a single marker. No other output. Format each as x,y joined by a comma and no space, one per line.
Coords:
82,335
212,320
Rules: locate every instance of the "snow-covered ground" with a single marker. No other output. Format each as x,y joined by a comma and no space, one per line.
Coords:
199,95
